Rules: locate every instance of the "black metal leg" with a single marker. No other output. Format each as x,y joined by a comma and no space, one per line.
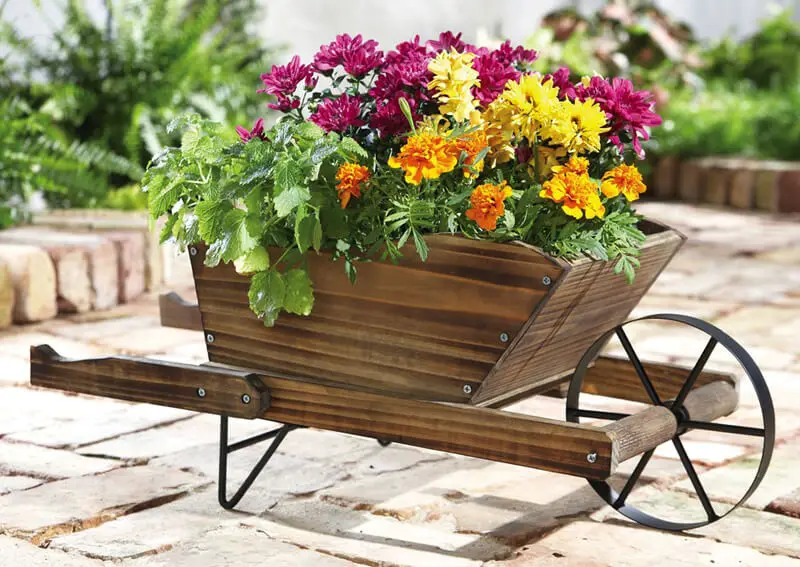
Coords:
277,436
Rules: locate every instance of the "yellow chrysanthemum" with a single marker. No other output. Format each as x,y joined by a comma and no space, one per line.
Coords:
577,193
624,179
529,107
496,124
424,156
453,80
486,204
580,131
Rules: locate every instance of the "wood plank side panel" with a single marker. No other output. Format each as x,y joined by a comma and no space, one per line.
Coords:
590,300
423,330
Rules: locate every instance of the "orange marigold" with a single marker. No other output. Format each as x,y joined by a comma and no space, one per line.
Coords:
472,144
350,177
487,204
577,165
426,156
576,192
624,179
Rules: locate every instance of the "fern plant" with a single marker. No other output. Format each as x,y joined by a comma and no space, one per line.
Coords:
117,83
34,157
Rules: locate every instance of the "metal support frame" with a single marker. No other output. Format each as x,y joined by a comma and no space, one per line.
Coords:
225,448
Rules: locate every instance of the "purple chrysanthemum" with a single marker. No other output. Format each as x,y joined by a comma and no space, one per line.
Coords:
493,75
389,120
338,114
407,51
627,110
566,88
508,55
358,57
448,40
257,132
283,79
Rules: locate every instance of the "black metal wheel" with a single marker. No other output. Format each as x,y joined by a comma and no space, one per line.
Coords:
618,500
384,442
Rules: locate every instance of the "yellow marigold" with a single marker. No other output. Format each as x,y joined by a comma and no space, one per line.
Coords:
424,156
576,164
577,194
486,204
471,144
580,131
528,107
453,80
350,177
624,179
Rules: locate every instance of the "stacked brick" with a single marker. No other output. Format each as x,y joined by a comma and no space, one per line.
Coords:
735,182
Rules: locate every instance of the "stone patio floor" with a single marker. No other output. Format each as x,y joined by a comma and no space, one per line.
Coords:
87,482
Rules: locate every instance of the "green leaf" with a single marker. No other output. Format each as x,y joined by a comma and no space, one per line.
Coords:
509,218
256,260
211,218
350,146
321,151
421,246
291,198
282,133
166,232
287,173
236,239
309,131
459,198
161,200
267,294
299,293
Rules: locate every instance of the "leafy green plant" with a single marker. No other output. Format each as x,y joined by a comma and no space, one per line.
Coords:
34,156
118,82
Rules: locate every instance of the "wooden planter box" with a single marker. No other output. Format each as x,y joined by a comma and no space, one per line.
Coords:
479,322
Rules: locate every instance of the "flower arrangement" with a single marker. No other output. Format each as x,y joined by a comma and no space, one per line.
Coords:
374,150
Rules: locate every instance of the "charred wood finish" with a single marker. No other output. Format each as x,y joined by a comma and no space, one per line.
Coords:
197,388
429,330
178,313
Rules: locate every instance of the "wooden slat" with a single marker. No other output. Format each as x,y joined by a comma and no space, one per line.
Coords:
615,377
153,382
178,313
462,429
587,301
429,330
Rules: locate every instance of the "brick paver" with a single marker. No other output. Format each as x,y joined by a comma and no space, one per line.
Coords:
95,483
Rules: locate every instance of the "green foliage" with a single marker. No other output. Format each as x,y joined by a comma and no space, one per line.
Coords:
33,156
242,199
116,83
768,59
719,121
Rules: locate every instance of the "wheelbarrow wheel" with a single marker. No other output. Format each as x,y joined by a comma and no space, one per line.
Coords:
716,338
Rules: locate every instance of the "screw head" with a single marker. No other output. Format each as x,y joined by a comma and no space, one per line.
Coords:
592,457
467,389
546,280
503,337
245,398
201,392
193,251
209,338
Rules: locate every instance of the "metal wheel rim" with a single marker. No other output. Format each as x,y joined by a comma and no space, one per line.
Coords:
606,491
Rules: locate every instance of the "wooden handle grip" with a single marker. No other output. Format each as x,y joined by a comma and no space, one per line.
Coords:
176,312
638,433
197,388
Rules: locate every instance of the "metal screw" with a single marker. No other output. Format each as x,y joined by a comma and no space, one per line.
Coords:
201,392
209,338
592,457
245,399
546,280
467,389
503,337
193,251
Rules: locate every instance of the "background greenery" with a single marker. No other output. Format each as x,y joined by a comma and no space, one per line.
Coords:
112,86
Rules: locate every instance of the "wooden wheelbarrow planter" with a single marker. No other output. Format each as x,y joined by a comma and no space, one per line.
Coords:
425,354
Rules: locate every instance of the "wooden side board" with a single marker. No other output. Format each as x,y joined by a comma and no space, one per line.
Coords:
456,428
175,312
429,330
587,301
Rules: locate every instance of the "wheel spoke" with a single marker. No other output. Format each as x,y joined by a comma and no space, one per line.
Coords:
723,428
607,415
631,482
698,486
637,365
696,371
